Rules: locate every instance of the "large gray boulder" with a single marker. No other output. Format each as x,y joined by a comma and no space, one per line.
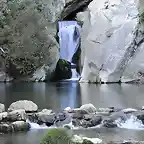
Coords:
112,41
28,106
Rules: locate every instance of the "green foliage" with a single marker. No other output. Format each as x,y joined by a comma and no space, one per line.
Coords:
23,35
56,136
142,17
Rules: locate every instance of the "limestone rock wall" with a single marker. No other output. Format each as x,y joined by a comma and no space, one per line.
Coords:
112,41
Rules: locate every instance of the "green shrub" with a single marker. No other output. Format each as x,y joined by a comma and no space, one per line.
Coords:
56,136
142,17
23,35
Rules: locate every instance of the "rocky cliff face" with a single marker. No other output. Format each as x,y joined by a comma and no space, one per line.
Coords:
112,41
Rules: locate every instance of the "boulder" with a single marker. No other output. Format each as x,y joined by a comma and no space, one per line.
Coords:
106,110
112,42
129,110
17,115
2,108
88,120
47,119
62,119
20,126
140,116
6,128
91,121
77,139
14,127
89,108
3,116
62,71
109,124
46,111
28,106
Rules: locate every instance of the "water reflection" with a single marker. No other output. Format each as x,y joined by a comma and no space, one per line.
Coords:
54,95
121,96
60,95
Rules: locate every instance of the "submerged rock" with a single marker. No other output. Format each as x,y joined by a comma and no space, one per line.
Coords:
14,127
109,124
2,108
28,106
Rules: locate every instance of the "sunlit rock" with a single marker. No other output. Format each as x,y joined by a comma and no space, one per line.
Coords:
90,108
110,41
28,106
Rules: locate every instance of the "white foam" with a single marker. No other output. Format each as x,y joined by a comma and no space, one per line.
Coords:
131,123
34,126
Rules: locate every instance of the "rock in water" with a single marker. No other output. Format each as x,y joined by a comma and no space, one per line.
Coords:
2,108
28,106
17,115
14,127
111,38
20,126
63,70
90,108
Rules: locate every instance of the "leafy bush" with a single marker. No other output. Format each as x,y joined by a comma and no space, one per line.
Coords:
142,17
24,36
56,136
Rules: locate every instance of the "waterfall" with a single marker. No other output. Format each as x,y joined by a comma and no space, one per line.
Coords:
69,40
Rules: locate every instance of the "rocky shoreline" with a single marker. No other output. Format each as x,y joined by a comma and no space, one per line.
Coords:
21,114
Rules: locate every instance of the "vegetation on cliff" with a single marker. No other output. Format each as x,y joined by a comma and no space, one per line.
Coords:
24,36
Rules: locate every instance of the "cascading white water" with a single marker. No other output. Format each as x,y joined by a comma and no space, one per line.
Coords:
69,39
130,123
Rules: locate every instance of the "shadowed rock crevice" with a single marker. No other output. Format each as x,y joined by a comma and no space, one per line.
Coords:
72,8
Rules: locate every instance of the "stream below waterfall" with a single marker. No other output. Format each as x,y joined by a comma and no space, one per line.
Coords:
57,96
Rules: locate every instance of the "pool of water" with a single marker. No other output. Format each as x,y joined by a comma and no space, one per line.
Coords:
57,96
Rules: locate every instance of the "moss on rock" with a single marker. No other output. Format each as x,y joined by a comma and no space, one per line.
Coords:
56,136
